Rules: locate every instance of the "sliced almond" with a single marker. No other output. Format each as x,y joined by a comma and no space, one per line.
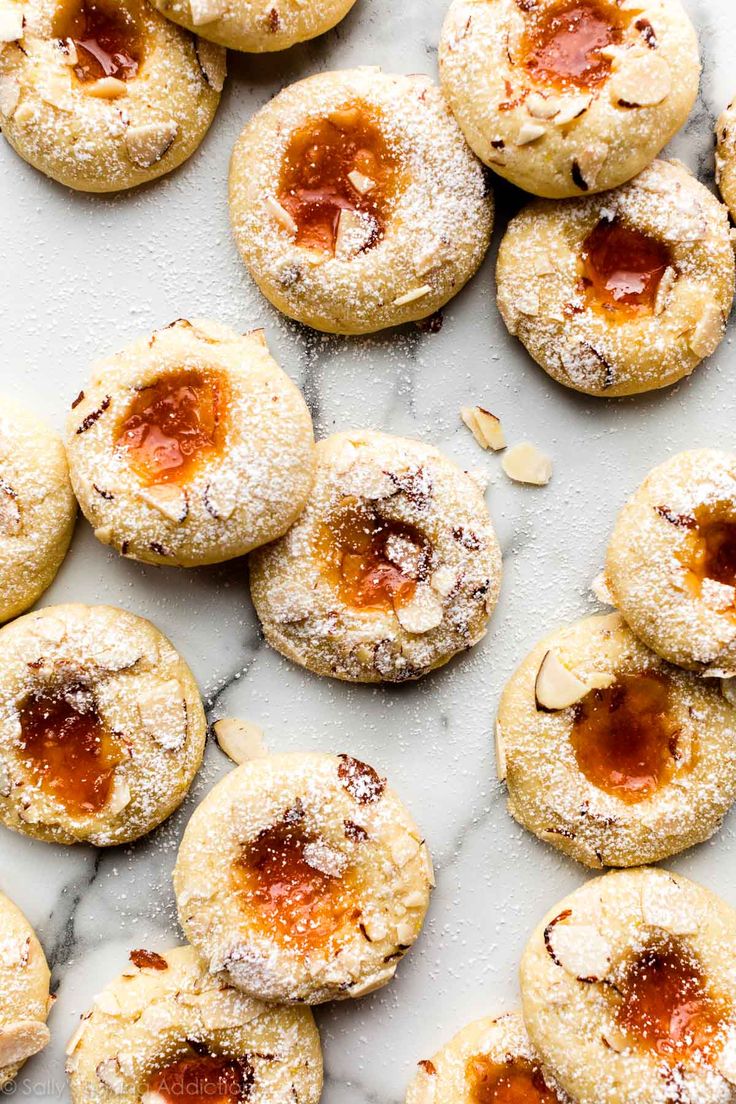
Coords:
367,479
169,499
355,232
281,215
55,89
149,143
404,554
444,580
556,687
11,522
530,132
20,1040
428,257
9,96
500,754
543,107
573,108
664,291
68,51
665,904
403,847
120,797
107,1002
615,1040
717,596
361,182
226,1008
374,928
221,498
580,950
405,933
642,80
422,613
588,164
206,11
76,1038
24,113
524,463
527,300
163,714
370,984
413,295
240,740
106,88
212,61
11,22
708,332
485,427
320,856
110,1074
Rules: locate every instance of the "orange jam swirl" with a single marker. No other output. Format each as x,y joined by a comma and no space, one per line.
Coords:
173,425
622,267
666,1006
515,1081
204,1080
373,562
67,750
709,551
106,40
624,737
562,44
319,181
302,906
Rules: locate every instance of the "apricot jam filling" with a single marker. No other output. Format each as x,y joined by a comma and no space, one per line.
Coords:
374,563
624,737
173,425
302,906
709,551
515,1081
622,267
666,1006
67,749
203,1080
107,42
562,44
335,164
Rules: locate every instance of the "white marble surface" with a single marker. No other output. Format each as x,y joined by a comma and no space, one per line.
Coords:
82,275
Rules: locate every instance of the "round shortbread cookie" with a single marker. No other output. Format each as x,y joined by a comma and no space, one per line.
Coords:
302,878
191,446
623,292
611,755
256,27
628,989
726,157
37,508
101,725
103,95
564,97
671,561
24,992
392,568
355,202
489,1060
167,1030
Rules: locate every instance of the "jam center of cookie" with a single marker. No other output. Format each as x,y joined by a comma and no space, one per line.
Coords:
173,425
205,1080
67,749
107,42
622,268
666,1005
373,562
335,164
283,876
516,1081
710,553
624,738
562,44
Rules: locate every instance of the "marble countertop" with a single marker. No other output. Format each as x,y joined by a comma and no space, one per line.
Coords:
81,276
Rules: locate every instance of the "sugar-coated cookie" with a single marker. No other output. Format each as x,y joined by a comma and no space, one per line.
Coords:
191,446
256,27
564,97
628,988
24,992
622,292
355,202
37,507
392,568
102,95
302,878
166,1030
101,725
726,157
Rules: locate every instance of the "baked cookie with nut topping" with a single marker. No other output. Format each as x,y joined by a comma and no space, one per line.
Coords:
726,157
610,754
624,292
356,203
166,1031
563,97
24,992
671,561
102,95
253,27
37,508
392,568
190,446
101,726
491,1061
628,988
302,878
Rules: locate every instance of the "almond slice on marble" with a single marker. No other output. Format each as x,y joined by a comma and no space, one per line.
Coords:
9,96
524,463
361,182
422,613
212,61
149,143
106,88
11,22
556,686
413,295
485,427
281,215
641,81
500,754
665,904
707,334
10,518
169,499
579,949
355,231
207,11
240,740
21,1040
320,856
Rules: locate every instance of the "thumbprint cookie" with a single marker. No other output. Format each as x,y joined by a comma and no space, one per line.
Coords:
624,292
256,28
37,508
24,992
302,878
628,989
489,1062
726,157
102,95
611,755
191,446
355,202
166,1031
563,97
101,726
671,562
392,568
